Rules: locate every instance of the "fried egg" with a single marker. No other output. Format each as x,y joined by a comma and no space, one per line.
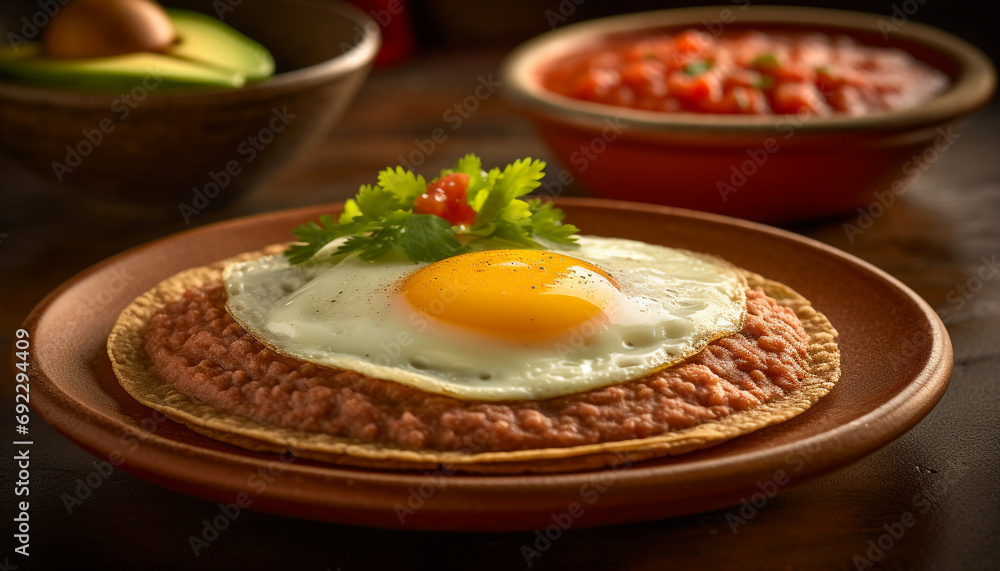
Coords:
494,324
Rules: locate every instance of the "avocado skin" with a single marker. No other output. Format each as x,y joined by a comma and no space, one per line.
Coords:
208,54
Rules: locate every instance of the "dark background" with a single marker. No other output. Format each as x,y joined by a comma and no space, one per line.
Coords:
442,24
931,241
454,23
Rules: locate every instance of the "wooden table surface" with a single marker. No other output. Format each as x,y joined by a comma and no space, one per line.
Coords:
945,472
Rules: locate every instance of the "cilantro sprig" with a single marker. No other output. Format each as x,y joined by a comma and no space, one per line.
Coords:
381,218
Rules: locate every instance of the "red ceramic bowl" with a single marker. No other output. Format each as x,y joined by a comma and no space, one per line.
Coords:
767,168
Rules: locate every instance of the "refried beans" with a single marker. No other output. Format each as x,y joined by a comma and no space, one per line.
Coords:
202,352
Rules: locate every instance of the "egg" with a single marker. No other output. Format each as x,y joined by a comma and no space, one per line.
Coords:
494,324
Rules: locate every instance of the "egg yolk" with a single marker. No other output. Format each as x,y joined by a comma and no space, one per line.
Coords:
517,294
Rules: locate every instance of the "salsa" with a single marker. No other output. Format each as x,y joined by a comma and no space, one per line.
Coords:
751,72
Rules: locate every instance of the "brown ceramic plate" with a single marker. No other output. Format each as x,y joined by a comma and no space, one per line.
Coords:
896,363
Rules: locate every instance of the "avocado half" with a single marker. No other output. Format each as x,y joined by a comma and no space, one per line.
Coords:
207,53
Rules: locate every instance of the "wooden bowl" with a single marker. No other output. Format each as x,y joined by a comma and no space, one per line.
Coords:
765,168
183,151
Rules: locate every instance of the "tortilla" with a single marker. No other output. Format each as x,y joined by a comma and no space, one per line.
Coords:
135,371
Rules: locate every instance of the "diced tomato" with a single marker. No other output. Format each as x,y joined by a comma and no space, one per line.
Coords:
671,105
747,100
799,97
704,87
743,78
792,72
645,78
644,50
446,197
677,61
463,215
693,41
847,99
826,80
595,84
623,97
742,101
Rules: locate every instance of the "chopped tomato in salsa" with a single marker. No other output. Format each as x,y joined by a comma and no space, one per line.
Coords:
746,72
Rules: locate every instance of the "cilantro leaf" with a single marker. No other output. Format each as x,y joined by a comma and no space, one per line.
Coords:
471,165
516,212
513,224
313,237
377,241
403,183
514,236
519,178
371,246
375,201
487,183
351,211
548,227
429,238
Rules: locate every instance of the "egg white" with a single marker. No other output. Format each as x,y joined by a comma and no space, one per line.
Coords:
670,305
